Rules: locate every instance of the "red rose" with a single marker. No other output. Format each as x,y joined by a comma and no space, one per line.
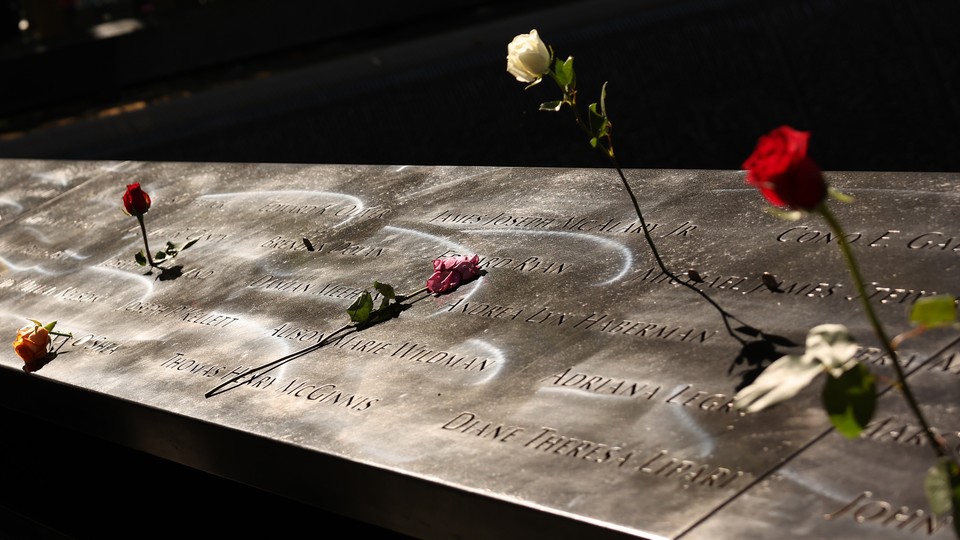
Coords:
136,201
780,168
450,272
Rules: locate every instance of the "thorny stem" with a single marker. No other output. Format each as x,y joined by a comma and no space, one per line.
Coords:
403,297
269,366
146,246
607,150
885,342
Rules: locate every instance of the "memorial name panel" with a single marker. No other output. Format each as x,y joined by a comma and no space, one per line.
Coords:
574,375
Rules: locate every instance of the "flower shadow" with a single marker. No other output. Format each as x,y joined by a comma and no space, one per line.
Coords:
755,355
166,274
37,365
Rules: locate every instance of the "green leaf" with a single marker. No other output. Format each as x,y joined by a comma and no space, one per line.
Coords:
599,124
386,291
593,142
934,311
788,215
850,400
564,74
551,105
942,486
160,256
141,260
360,309
50,326
188,244
837,195
603,101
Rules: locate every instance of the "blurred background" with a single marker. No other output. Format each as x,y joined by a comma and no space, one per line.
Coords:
692,83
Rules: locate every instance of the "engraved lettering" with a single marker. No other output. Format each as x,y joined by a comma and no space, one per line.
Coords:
601,385
864,509
884,236
934,240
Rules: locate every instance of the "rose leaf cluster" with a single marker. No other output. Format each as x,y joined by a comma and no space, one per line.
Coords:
362,312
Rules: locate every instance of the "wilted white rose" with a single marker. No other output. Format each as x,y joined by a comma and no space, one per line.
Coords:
781,381
833,346
528,58
829,348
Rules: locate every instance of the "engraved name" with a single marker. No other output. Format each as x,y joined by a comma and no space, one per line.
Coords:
188,235
334,248
416,352
332,290
929,240
686,396
897,431
550,441
595,322
71,294
180,362
328,394
188,314
948,362
325,393
408,350
187,273
525,264
89,342
864,509
802,289
600,384
335,209
570,223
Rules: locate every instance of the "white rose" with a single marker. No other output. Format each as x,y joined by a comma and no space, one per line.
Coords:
528,59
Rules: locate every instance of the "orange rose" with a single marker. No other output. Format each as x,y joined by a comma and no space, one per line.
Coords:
32,343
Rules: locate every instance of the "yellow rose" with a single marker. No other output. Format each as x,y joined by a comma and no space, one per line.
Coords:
32,343
528,58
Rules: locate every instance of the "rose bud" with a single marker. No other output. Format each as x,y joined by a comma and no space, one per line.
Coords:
528,58
136,201
449,273
780,168
31,343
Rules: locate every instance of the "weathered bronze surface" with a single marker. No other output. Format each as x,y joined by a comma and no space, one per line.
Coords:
571,390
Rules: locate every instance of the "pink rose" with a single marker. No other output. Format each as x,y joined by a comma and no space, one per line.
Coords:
450,272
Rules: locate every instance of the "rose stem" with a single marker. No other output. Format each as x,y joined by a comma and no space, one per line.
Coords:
143,230
607,150
878,328
269,366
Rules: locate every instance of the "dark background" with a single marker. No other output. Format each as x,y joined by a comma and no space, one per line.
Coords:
692,84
